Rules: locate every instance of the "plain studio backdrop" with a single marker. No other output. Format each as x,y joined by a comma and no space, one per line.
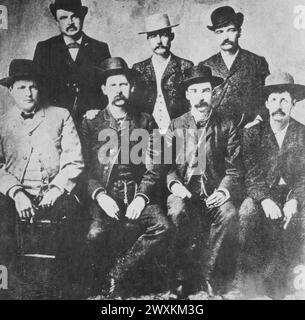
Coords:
271,28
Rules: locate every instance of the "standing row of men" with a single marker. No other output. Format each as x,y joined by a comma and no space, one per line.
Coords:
198,111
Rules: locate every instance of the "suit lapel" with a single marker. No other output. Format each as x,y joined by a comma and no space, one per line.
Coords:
38,118
151,71
238,62
82,53
171,68
220,66
64,53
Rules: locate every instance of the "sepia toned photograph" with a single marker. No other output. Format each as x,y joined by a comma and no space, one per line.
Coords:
152,150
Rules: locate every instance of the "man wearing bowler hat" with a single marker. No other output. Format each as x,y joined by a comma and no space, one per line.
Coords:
203,181
40,159
159,76
272,224
66,61
128,224
243,72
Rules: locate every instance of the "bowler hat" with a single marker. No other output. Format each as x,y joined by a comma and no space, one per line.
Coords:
223,16
20,69
157,22
198,74
113,66
69,5
283,81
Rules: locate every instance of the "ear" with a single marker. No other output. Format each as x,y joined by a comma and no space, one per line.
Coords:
172,36
187,95
103,87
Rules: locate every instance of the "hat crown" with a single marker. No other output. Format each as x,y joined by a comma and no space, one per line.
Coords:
223,16
157,22
202,72
279,78
21,67
67,4
113,64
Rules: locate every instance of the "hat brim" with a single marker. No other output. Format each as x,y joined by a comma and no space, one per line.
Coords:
237,21
297,90
82,11
149,31
215,82
103,75
8,81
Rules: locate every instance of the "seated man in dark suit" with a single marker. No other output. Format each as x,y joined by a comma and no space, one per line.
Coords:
128,225
272,221
204,180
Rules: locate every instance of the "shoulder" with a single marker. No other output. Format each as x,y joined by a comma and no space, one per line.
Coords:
49,42
95,42
184,63
252,133
210,61
252,56
142,64
56,112
180,121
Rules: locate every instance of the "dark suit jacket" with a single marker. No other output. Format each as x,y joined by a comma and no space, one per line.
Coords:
62,74
222,154
265,163
101,173
241,91
146,87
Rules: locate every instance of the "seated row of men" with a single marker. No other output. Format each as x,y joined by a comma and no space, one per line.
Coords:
212,166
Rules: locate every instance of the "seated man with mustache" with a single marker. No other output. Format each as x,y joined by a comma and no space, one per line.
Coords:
272,217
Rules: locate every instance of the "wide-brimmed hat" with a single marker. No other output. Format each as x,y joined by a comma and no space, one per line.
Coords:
20,69
113,66
223,16
69,5
198,74
283,81
157,22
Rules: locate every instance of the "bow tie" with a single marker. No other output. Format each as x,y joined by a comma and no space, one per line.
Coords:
27,115
73,45
201,123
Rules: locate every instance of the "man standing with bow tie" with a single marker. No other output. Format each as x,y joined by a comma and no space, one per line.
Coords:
244,73
159,76
40,159
203,181
66,61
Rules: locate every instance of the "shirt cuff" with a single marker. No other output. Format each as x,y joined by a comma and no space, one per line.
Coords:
12,191
96,192
144,196
171,183
226,192
62,190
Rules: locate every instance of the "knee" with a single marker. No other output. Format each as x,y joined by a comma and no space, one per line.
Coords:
248,209
228,212
176,209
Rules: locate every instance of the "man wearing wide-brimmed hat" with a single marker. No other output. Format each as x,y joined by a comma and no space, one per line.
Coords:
67,61
40,156
203,180
243,71
123,187
272,217
159,76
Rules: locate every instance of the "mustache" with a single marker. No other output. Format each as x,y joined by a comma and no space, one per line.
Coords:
227,42
71,27
202,104
160,47
119,97
279,111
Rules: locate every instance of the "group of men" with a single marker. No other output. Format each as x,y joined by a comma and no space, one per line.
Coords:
200,167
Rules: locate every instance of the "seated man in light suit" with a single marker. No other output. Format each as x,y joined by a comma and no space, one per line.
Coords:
40,157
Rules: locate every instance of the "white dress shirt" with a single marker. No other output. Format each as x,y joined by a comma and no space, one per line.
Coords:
280,136
229,59
160,112
73,51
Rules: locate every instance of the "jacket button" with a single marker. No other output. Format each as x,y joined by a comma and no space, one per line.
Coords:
30,133
24,157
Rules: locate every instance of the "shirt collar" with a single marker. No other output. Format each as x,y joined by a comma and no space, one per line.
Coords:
198,116
283,131
225,57
155,61
69,40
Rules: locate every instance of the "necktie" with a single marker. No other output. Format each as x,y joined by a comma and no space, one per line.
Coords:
201,124
73,45
26,116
